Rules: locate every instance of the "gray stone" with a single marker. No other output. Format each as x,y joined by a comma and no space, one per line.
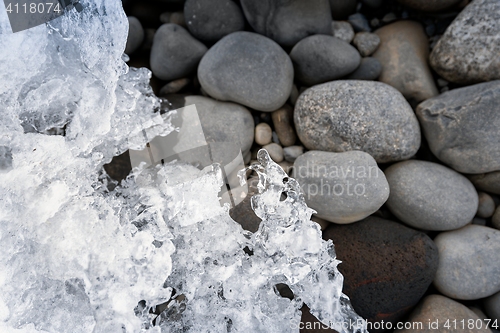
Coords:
488,182
492,306
289,21
435,311
404,64
468,50
174,87
249,69
468,262
495,219
462,127
486,206
359,22
175,53
430,196
369,69
263,134
357,115
210,20
366,43
341,9
429,5
283,125
322,58
341,187
275,152
292,153
135,35
343,30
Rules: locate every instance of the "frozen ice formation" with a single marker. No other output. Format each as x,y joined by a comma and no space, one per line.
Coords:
156,252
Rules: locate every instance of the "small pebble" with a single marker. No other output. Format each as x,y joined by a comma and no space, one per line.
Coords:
276,139
294,95
359,22
366,43
283,124
263,134
178,18
291,153
275,151
486,206
174,87
389,18
343,30
495,219
287,167
442,83
135,35
369,69
478,221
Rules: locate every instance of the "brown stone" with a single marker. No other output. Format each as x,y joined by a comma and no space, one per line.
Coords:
283,125
243,212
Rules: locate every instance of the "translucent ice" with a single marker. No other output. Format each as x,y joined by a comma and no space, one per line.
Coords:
82,253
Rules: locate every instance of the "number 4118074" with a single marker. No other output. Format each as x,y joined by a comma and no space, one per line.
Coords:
34,8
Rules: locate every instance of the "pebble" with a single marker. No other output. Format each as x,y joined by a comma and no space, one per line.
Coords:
492,306
468,50
343,30
234,70
283,125
275,152
287,22
389,17
366,43
243,212
341,9
292,153
486,206
173,17
293,95
287,167
429,5
341,187
488,182
468,262
175,53
263,134
369,69
434,311
387,266
404,65
462,127
495,219
135,35
174,87
322,58
430,196
210,20
359,22
357,115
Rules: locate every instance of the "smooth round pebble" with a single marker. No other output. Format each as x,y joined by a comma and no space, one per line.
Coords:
343,30
486,206
263,134
135,35
366,43
175,53
174,87
369,69
430,196
283,125
249,69
359,22
291,153
492,306
275,152
468,262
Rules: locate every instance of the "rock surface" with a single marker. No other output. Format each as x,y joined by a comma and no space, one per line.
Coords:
430,196
135,35
322,58
387,267
468,50
210,20
341,187
462,127
434,311
488,182
492,306
429,5
283,125
366,43
263,134
468,262
403,53
369,69
175,53
292,152
287,22
249,69
275,152
357,115
343,30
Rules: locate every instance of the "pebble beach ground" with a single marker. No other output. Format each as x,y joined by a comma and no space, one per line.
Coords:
386,112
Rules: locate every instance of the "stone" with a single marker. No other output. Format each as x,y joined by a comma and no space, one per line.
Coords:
210,20
369,69
343,30
322,58
462,127
495,219
173,87
294,94
287,22
430,5
488,182
291,153
275,152
287,167
234,70
243,212
492,306
263,134
387,266
283,125
486,206
403,53
434,311
366,43
359,22
468,262
341,187
357,115
468,50
341,9
175,53
430,196
135,35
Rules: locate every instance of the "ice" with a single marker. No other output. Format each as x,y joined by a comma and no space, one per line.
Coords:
156,252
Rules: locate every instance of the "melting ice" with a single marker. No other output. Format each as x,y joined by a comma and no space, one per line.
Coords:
155,253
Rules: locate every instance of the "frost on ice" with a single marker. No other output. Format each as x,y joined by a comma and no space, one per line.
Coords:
156,252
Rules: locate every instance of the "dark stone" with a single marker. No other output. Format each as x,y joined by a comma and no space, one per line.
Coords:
387,267
243,212
488,182
119,167
369,69
359,22
175,53
462,127
341,9
366,43
135,35
322,58
288,21
210,20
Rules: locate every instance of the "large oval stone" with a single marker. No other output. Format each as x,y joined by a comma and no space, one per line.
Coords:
357,115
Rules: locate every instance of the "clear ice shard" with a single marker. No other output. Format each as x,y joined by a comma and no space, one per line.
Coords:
82,253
